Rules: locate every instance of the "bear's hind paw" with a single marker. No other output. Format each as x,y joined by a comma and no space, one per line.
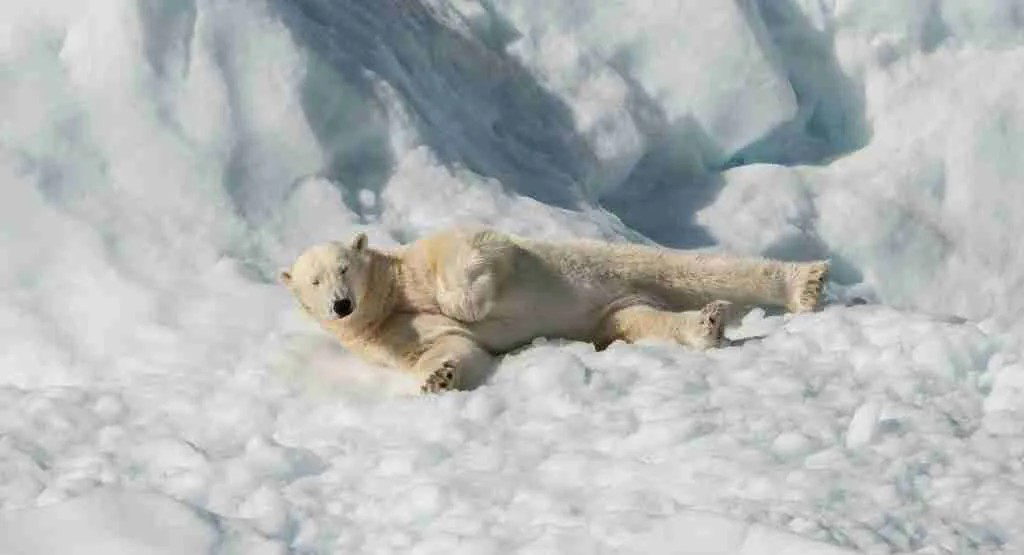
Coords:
810,283
712,323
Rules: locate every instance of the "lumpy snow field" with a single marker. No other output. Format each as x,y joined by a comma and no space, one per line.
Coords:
160,161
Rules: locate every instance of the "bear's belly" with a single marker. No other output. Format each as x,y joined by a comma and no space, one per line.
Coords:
503,336
517,320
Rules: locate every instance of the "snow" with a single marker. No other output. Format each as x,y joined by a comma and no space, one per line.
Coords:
159,162
108,522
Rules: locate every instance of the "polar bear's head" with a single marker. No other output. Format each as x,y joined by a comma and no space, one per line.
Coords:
330,279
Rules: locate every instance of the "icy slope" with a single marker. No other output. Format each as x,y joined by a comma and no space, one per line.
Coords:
160,161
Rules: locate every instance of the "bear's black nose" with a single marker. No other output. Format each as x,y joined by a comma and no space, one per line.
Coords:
342,307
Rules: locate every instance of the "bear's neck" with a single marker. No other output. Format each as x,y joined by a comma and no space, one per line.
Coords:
394,285
384,280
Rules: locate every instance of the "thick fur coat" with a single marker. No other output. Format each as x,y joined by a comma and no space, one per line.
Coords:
446,304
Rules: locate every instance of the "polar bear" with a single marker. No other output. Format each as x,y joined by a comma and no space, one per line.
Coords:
444,306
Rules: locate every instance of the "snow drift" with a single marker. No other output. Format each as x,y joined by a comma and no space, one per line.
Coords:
159,161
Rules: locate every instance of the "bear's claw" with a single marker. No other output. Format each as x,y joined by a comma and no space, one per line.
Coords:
443,379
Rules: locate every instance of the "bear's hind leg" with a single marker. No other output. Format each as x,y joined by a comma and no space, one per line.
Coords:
452,362
710,329
808,282
700,329
745,281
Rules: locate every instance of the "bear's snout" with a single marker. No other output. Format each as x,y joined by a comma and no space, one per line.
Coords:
342,307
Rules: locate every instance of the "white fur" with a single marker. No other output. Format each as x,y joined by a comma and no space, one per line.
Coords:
444,305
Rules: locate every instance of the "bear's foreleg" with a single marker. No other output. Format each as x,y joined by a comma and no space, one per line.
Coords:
471,274
452,362
470,298
700,329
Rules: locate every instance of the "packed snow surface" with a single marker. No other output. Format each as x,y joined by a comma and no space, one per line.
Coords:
160,161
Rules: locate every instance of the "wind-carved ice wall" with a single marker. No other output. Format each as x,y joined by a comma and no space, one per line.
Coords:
878,134
882,135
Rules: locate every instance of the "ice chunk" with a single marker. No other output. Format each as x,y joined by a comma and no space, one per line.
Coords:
863,426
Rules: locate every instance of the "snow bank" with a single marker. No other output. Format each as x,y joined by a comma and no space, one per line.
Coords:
865,427
934,194
159,163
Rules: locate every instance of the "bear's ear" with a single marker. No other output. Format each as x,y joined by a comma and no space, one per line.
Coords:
285,277
359,243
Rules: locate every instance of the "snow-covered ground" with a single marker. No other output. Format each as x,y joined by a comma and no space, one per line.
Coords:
160,161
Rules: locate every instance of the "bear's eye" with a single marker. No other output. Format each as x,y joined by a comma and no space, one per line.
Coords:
343,270
316,281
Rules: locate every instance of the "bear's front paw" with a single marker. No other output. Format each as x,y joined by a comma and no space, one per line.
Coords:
441,380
